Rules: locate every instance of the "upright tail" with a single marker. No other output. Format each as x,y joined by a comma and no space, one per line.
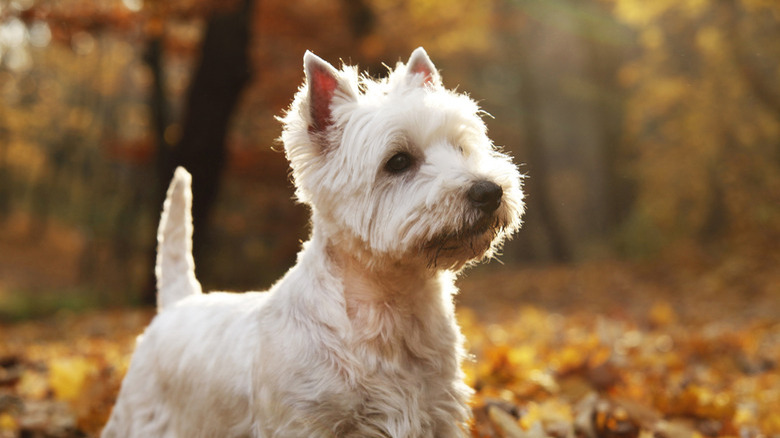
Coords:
175,269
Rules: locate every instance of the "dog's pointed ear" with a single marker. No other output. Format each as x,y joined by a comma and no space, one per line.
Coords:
420,64
323,83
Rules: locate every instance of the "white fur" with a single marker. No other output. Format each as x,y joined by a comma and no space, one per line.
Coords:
175,269
359,338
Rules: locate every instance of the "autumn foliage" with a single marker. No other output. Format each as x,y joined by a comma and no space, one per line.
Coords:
664,369
641,297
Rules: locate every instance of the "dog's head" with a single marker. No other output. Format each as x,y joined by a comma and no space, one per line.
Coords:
400,168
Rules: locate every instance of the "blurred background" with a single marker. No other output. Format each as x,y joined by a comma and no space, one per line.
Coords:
649,132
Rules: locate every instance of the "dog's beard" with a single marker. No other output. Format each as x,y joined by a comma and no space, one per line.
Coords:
451,249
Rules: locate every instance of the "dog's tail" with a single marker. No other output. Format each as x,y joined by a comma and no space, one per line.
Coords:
175,269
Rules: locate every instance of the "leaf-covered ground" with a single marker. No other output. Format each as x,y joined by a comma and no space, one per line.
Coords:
606,350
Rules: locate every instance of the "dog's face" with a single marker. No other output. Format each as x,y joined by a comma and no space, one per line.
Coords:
403,167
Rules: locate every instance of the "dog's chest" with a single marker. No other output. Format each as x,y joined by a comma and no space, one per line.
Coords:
402,379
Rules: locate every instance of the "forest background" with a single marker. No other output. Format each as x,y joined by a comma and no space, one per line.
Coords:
649,132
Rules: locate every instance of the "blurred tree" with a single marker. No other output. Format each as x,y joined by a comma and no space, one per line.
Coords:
560,61
220,76
608,45
703,122
536,186
660,120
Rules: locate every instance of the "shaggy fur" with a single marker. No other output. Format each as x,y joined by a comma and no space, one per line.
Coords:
359,338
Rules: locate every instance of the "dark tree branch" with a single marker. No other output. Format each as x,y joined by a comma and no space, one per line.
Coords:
220,77
157,102
761,88
537,160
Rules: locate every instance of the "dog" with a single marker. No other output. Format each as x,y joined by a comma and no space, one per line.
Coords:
359,338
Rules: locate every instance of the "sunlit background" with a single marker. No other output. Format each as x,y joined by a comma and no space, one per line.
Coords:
641,298
649,132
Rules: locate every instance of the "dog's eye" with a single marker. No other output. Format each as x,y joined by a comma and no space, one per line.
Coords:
399,163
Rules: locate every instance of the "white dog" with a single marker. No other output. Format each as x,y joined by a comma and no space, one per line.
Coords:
359,338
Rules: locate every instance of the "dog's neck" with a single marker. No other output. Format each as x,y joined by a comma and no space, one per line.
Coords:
396,311
374,303
385,297
398,284
379,285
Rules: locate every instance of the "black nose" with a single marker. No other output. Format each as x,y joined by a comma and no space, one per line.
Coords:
486,196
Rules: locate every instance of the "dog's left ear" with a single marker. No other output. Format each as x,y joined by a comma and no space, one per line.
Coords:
324,83
420,64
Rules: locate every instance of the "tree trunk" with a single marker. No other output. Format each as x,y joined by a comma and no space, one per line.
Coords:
220,76
602,63
538,196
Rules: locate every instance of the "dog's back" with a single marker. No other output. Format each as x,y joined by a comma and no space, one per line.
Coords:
152,390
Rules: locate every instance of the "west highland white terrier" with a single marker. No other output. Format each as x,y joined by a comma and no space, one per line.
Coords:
359,338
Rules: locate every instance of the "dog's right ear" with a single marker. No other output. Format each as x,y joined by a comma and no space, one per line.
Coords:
323,84
420,64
